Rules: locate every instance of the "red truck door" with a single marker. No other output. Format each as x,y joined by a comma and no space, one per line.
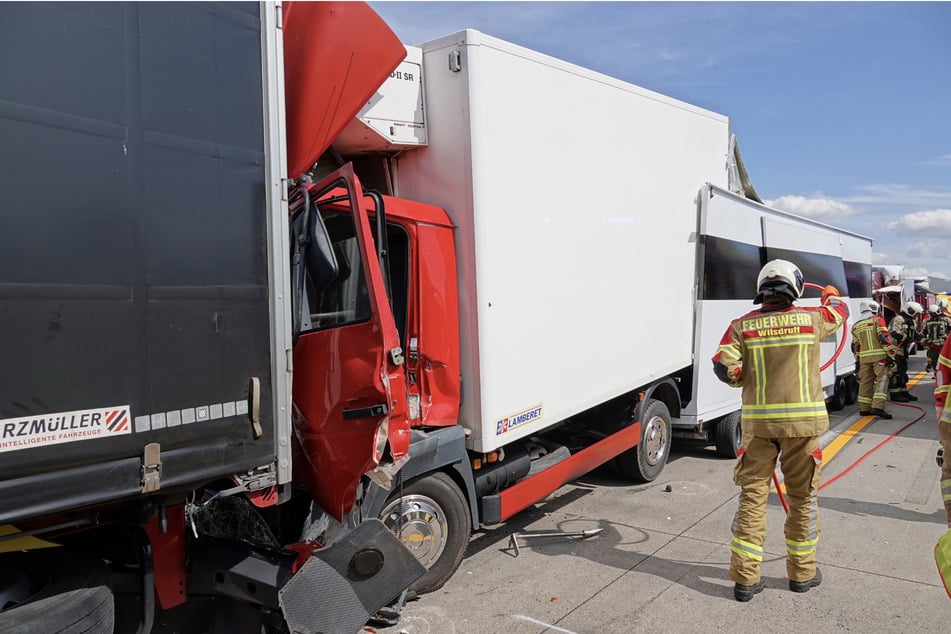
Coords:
349,389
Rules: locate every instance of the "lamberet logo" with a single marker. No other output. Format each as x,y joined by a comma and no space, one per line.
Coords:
511,422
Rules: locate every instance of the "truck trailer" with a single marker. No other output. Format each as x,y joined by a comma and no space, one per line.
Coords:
147,268
736,236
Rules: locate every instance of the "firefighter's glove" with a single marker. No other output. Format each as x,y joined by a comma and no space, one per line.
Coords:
730,377
828,292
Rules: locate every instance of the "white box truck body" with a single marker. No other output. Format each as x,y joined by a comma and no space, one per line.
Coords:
736,236
595,212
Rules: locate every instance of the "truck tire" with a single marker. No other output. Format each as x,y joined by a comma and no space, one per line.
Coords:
728,435
431,517
837,401
644,462
65,593
852,389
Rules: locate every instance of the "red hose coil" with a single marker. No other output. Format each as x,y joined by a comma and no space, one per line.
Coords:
838,350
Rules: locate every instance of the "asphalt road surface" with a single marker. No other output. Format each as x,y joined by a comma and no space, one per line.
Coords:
660,562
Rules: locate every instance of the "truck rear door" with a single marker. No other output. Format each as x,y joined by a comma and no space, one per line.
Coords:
349,389
138,251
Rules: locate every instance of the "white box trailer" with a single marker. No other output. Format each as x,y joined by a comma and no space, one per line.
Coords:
575,235
736,236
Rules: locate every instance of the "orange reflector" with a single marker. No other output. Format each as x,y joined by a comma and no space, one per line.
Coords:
492,456
476,464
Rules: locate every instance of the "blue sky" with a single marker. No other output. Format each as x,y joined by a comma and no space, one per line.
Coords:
842,110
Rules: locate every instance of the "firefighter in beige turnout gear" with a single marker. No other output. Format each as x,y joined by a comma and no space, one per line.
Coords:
936,330
943,414
874,353
773,354
903,332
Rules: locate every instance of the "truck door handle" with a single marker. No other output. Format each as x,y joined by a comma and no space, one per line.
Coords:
372,411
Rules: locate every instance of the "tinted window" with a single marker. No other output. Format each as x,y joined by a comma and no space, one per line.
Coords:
730,268
859,277
816,268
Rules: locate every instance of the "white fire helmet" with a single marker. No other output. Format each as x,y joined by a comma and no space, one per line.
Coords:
933,309
869,306
912,309
779,276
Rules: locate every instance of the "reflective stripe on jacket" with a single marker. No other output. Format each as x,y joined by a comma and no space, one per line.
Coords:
867,335
902,331
943,375
936,330
774,355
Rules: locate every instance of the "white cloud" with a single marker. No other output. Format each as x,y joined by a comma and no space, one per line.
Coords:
906,196
931,223
944,159
880,258
824,209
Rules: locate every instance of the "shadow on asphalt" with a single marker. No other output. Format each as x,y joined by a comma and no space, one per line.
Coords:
500,533
610,548
878,509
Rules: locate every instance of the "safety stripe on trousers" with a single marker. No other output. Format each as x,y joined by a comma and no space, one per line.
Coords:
946,490
801,549
746,549
807,546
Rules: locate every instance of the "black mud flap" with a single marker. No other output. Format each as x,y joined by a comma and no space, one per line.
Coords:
342,586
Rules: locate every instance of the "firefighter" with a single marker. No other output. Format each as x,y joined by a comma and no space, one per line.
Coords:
874,352
903,332
936,331
773,354
943,414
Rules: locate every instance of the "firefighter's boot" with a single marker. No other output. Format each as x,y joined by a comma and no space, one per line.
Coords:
803,586
745,593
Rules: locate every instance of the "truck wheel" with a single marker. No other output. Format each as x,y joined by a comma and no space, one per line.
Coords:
837,400
431,517
852,389
645,461
728,435
55,591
